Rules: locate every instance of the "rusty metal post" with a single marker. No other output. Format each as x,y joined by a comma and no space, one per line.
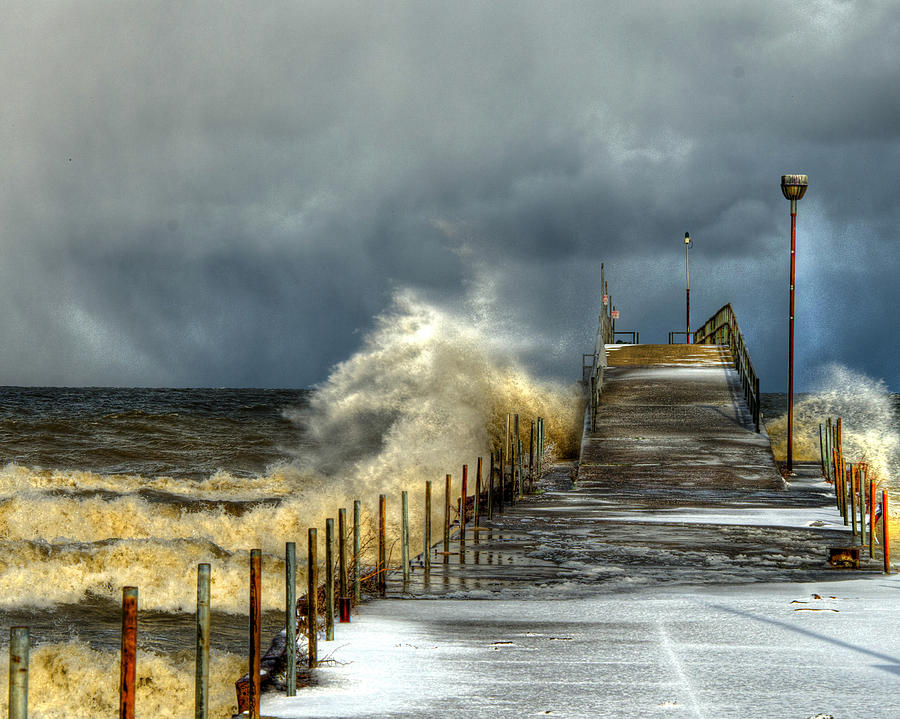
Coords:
517,457
885,532
447,520
18,672
128,672
381,569
290,617
463,491
201,674
478,489
404,535
531,459
502,496
329,580
490,497
871,517
357,520
861,482
312,598
426,550
255,629
344,600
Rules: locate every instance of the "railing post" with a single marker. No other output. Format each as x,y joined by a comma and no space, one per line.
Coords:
18,672
329,579
426,551
312,598
255,629
290,617
201,674
128,657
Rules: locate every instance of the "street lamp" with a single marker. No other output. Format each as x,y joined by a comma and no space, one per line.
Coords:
687,271
793,187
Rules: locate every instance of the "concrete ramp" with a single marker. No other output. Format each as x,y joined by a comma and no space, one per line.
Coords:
673,428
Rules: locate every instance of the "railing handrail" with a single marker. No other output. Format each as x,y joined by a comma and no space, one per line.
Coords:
715,329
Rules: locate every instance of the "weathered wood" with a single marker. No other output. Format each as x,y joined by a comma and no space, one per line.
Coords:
404,535
447,520
885,532
381,569
463,491
357,511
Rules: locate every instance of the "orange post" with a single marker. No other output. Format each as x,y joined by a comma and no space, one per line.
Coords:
871,516
885,532
129,653
255,629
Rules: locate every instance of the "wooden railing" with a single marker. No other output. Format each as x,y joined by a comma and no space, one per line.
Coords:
722,329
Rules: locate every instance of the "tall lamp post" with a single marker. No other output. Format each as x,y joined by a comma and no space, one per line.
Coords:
687,272
793,187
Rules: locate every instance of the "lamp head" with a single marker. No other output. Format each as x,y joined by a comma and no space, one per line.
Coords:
687,238
793,187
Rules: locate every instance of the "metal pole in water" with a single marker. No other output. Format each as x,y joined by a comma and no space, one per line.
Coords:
312,597
357,512
426,550
329,580
255,629
128,672
290,617
201,674
18,672
404,535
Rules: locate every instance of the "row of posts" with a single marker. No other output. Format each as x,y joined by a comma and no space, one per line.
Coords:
854,491
513,484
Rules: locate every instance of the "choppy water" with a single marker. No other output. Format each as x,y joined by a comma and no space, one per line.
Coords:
105,488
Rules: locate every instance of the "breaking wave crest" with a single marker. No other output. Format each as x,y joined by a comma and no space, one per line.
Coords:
868,419
428,392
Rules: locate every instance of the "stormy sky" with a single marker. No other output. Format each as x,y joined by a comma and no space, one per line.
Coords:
226,194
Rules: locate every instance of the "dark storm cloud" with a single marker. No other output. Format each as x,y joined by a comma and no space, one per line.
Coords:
226,195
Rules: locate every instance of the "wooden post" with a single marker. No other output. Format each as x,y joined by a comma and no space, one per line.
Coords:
357,511
290,618
851,483
828,472
312,598
822,450
426,551
128,656
255,629
447,520
201,672
506,442
18,672
885,532
478,490
463,490
520,470
329,580
404,535
381,569
344,599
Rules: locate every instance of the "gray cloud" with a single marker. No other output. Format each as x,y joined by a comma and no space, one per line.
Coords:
226,196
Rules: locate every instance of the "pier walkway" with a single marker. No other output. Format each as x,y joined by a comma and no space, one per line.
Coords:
666,574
